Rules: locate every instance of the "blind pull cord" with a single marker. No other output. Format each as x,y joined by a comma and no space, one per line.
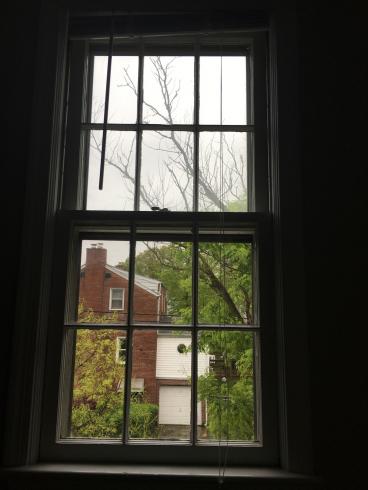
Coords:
106,109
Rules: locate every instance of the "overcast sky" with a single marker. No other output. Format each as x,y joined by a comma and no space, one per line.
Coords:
121,146
123,109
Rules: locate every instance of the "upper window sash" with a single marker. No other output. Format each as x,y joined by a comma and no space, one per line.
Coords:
77,147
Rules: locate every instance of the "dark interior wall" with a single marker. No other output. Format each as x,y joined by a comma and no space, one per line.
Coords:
20,31
331,96
332,61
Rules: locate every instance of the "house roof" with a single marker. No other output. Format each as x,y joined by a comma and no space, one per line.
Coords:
147,283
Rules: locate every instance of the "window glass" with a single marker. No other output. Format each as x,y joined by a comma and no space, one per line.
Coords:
225,283
223,90
96,408
119,171
223,171
163,410
123,89
226,388
167,171
172,168
117,298
168,90
121,346
163,283
104,277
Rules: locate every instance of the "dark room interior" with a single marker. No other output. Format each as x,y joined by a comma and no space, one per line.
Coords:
317,64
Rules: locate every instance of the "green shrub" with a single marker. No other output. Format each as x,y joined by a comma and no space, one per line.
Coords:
106,421
143,420
102,421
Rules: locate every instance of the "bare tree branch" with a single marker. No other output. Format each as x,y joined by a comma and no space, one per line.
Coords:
221,176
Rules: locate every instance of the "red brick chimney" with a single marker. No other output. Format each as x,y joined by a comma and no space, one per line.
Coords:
96,256
91,288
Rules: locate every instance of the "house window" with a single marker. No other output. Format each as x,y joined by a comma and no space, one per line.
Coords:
137,393
166,168
120,350
116,299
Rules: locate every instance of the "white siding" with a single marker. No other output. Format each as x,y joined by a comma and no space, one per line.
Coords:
173,365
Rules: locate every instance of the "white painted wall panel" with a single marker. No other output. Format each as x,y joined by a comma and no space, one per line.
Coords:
173,365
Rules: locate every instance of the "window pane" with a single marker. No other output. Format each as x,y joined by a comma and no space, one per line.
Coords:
98,88
104,278
117,298
223,172
163,283
117,294
167,170
160,405
223,90
226,385
98,385
121,347
116,304
119,173
168,90
123,86
225,283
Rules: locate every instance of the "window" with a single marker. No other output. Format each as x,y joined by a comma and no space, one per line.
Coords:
120,350
165,196
116,299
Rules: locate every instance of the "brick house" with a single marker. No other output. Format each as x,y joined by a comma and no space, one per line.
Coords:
160,369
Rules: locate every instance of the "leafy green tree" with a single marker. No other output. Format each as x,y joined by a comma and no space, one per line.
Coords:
98,387
172,265
228,386
225,297
225,279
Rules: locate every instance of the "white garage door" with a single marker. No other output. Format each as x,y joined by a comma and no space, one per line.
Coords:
174,406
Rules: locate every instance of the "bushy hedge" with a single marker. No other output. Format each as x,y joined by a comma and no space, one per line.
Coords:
143,420
106,421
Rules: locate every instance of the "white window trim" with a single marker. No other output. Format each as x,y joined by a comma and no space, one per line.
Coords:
256,224
23,427
122,299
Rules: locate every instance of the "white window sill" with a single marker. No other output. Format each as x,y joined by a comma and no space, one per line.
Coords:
60,473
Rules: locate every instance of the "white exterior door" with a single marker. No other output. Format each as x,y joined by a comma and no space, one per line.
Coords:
174,406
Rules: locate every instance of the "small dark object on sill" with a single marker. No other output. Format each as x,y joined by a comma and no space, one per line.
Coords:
156,208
